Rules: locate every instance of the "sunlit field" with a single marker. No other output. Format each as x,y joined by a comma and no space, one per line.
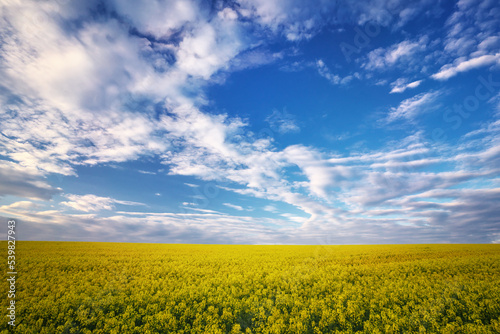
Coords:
66,287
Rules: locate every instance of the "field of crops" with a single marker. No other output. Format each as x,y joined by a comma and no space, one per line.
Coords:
152,288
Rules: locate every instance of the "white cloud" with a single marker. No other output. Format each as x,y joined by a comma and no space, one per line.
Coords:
320,173
18,206
472,29
81,109
384,58
489,43
282,122
335,79
159,18
370,182
253,58
86,71
209,48
449,71
325,72
270,208
401,85
91,202
291,18
50,141
234,206
408,109
146,172
198,227
70,89
80,105
298,20
368,179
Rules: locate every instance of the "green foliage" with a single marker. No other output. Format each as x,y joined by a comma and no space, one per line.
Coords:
151,288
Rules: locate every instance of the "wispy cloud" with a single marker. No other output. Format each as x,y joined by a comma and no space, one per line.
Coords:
254,58
401,85
301,20
410,108
371,181
282,122
270,208
234,206
384,58
146,172
335,79
88,203
449,71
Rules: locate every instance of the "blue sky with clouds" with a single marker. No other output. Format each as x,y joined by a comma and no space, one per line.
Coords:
251,121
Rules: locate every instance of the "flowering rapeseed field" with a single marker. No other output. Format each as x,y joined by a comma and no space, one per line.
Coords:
66,287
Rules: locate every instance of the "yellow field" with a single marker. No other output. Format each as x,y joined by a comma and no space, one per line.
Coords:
154,288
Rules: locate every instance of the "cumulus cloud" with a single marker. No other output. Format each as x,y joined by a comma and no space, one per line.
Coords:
209,48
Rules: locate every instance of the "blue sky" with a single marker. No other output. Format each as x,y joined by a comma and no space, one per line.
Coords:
251,121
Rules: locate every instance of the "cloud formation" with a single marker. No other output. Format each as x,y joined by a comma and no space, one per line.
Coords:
282,122
410,108
92,203
449,71
91,84
16,180
403,52
401,85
